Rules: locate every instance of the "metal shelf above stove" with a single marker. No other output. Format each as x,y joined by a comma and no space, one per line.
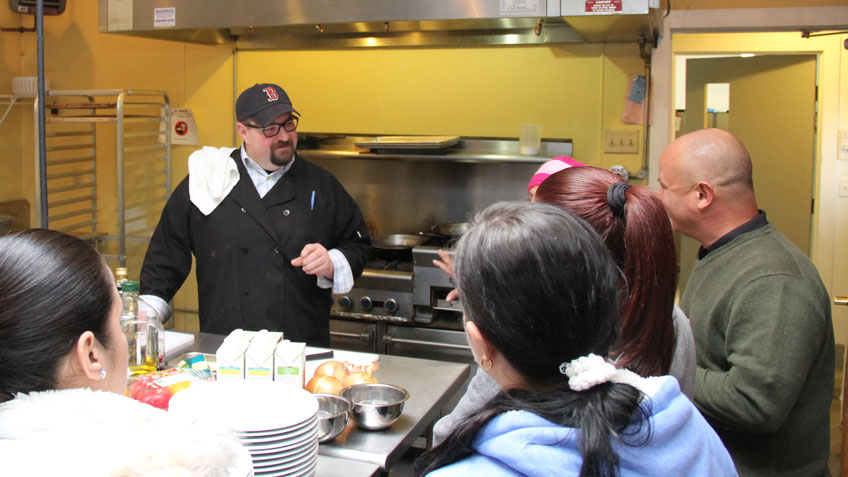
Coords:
467,149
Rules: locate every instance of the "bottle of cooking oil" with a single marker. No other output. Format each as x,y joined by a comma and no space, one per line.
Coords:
142,332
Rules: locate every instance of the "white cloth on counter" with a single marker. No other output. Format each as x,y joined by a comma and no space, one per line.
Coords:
85,432
212,174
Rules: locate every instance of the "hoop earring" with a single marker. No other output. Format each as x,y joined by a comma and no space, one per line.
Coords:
485,363
102,374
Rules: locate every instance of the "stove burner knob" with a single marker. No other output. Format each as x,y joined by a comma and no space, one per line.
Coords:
366,303
345,302
391,305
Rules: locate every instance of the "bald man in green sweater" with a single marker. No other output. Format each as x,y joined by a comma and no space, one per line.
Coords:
759,312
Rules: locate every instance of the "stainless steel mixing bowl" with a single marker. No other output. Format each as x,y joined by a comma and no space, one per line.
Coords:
376,406
332,415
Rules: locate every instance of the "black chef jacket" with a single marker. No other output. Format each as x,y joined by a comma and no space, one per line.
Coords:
244,249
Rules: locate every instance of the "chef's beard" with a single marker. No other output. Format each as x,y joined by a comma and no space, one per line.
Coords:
281,156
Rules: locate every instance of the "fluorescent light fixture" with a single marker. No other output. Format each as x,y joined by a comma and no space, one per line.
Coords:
746,55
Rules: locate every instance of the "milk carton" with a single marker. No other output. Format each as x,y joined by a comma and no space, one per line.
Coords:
230,355
290,363
259,359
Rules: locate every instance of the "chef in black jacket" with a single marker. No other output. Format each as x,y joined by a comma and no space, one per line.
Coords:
273,234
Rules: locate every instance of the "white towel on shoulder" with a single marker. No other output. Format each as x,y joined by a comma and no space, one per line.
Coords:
212,174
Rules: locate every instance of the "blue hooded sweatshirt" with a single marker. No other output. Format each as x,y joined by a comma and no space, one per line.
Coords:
521,443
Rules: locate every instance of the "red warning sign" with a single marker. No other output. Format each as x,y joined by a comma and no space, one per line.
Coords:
181,128
603,6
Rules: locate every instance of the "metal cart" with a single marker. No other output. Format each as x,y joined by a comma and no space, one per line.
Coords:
108,171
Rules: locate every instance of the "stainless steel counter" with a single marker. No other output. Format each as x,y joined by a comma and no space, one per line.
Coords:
431,385
335,467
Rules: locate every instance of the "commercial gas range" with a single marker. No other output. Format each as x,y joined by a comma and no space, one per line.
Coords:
401,291
400,307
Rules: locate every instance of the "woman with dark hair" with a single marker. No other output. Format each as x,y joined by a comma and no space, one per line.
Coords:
539,293
655,337
64,372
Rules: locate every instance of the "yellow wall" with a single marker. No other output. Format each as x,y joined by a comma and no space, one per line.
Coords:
11,175
78,57
574,91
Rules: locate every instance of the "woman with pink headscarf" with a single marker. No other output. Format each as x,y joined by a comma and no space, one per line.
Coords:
554,165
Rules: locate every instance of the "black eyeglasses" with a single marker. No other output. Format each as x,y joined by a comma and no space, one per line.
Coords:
272,130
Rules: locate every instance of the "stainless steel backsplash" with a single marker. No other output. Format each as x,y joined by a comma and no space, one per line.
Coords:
398,196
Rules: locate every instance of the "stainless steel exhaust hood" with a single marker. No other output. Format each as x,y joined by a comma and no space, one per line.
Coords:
315,24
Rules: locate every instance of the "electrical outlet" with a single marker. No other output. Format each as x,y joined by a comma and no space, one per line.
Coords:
621,142
843,187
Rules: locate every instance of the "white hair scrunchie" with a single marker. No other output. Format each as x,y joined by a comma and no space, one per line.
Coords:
587,371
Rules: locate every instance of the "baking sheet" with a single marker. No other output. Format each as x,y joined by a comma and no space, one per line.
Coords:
409,142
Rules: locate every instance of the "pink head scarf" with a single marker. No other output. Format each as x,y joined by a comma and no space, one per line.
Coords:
554,165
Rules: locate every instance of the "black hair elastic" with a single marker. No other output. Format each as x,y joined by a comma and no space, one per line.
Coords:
617,199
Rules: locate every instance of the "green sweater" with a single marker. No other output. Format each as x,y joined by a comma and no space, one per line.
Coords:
764,343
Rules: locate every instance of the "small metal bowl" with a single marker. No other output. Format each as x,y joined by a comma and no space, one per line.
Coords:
332,415
376,406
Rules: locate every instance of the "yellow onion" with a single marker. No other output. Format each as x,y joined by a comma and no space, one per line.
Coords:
359,377
332,368
324,384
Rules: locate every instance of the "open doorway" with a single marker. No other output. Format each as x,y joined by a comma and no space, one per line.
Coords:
769,102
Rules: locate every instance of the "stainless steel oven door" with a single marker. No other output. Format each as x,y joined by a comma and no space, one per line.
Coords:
354,335
427,343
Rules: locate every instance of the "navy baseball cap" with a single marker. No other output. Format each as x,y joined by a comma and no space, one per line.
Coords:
263,103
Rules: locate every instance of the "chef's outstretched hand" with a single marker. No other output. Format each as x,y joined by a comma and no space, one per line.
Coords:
315,261
446,264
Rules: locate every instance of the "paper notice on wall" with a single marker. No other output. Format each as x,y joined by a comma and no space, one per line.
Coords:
634,101
120,15
520,8
183,129
164,17
600,7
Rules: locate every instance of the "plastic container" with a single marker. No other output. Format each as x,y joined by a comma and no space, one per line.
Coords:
27,86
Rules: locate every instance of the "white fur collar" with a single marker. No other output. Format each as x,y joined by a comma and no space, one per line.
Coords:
84,432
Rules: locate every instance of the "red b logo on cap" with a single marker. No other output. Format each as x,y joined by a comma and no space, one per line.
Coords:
271,93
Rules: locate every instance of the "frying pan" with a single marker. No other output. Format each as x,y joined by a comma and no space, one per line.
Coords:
451,230
397,241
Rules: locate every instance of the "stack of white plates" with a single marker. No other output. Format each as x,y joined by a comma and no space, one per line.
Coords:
277,423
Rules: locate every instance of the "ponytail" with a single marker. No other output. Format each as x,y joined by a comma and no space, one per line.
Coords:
647,338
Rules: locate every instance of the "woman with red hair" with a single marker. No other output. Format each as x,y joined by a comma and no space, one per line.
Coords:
655,335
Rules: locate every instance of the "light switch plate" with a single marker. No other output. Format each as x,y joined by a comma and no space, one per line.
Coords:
843,187
843,144
621,141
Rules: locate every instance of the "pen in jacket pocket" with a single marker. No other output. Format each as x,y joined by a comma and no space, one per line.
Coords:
312,201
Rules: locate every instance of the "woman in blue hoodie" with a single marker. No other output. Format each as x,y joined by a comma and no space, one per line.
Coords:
539,291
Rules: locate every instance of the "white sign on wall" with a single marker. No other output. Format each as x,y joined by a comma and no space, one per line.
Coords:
520,8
